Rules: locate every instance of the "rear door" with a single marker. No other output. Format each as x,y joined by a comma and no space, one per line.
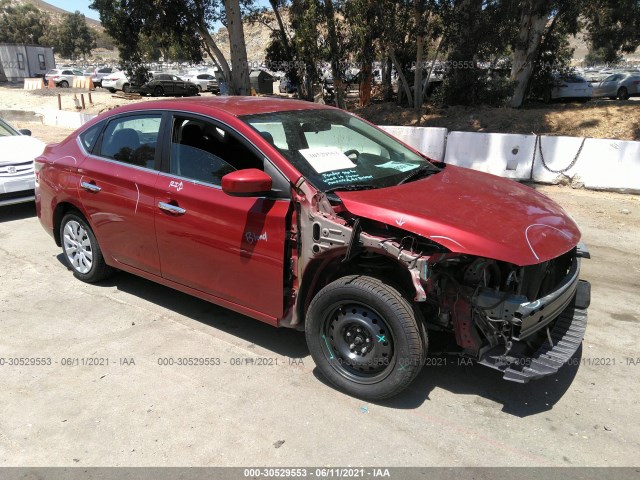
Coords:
117,187
229,247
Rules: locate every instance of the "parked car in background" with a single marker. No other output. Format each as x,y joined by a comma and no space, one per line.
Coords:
116,81
619,85
304,216
165,84
204,81
100,73
62,77
287,86
569,86
17,151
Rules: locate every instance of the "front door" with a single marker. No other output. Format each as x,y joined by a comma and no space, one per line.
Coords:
229,247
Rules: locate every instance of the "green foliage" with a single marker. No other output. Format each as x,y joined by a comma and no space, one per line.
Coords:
72,38
22,23
613,27
603,55
144,30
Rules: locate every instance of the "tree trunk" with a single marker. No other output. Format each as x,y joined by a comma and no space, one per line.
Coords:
240,84
387,86
403,79
335,57
365,85
532,26
433,64
417,77
283,33
217,55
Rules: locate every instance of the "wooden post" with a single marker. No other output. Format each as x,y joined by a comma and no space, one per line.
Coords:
59,102
82,100
90,100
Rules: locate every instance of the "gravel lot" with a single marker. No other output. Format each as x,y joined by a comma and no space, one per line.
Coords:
135,412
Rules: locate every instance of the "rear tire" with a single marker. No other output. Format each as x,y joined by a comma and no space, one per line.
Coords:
81,250
63,84
158,91
365,337
126,88
112,90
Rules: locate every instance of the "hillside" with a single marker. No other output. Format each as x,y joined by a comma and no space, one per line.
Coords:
55,12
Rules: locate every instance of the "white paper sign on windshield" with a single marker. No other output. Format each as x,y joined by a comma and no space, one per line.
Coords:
402,167
326,159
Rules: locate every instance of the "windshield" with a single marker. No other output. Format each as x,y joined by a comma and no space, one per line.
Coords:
335,150
6,130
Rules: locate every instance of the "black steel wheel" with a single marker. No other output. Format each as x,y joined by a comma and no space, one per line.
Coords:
365,337
158,91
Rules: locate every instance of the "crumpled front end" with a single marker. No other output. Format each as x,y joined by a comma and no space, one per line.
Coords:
524,321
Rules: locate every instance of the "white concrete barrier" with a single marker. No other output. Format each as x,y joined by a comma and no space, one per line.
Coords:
601,165
500,154
430,141
61,118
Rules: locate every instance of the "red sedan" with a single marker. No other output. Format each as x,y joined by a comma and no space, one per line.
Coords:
305,216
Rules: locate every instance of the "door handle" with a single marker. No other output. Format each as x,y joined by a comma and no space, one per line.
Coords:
92,187
171,208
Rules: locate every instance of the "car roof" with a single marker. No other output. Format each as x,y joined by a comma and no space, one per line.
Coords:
234,105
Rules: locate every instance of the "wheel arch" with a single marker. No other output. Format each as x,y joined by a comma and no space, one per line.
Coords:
325,269
59,212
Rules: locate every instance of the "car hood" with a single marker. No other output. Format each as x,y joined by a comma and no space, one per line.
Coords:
18,149
473,213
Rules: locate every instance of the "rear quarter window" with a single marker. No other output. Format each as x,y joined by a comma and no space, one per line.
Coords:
89,137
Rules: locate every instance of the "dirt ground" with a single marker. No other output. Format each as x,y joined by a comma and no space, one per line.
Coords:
596,119
135,412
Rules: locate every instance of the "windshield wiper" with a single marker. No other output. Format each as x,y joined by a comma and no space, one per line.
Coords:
421,171
350,188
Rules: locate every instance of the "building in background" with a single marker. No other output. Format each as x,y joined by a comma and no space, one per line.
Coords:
19,61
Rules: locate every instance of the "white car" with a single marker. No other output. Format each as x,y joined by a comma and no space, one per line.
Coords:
63,78
570,86
17,151
116,81
204,81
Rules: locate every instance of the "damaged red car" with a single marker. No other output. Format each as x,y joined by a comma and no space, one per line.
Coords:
305,216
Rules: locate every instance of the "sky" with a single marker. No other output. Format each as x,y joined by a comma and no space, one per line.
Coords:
72,5
83,6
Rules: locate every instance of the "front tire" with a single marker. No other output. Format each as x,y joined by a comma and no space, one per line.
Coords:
365,337
81,250
126,88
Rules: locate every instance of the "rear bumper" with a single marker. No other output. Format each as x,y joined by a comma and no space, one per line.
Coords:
566,336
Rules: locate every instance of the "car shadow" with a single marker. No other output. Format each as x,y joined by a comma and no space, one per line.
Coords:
463,377
455,375
19,211
281,341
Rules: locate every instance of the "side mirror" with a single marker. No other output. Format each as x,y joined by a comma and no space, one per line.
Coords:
25,131
249,182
